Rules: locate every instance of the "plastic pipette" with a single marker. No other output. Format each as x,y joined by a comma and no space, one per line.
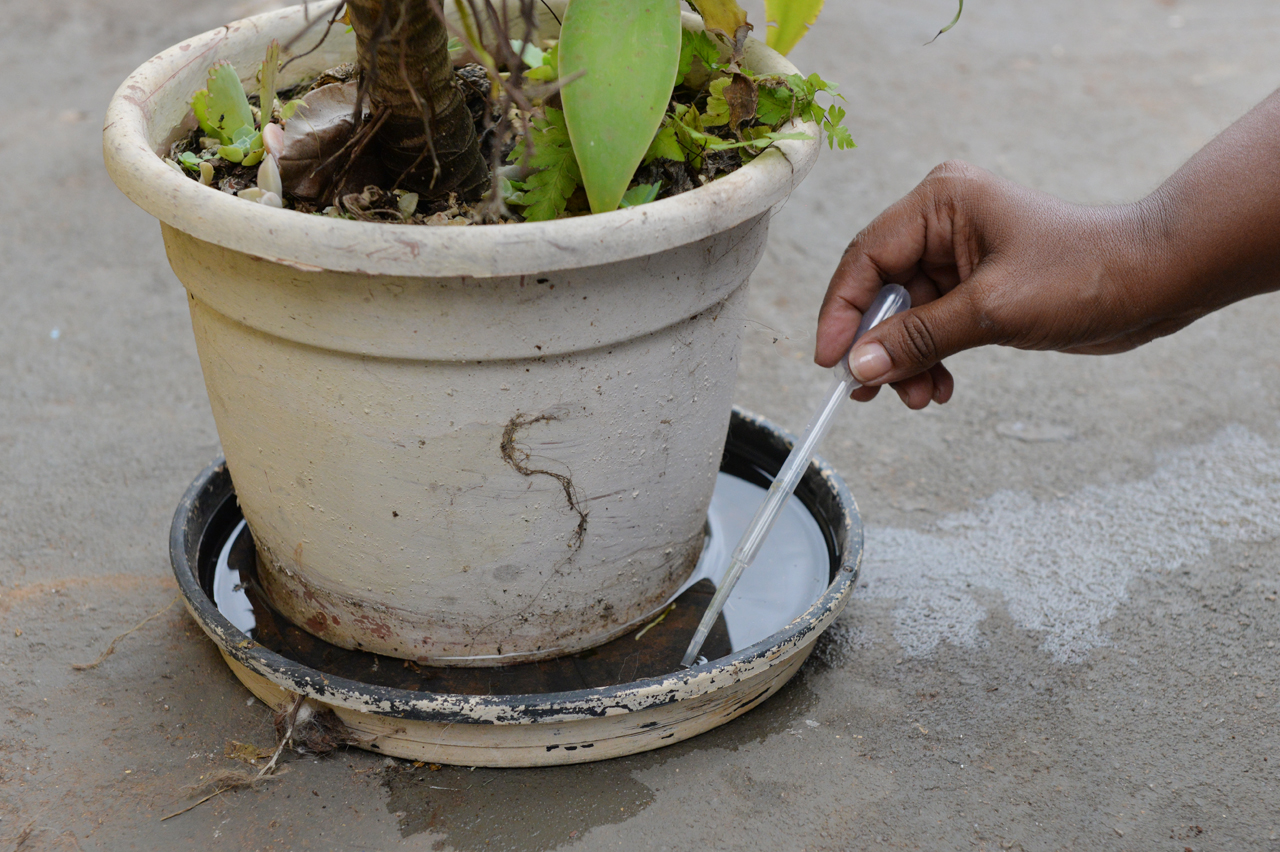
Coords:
891,299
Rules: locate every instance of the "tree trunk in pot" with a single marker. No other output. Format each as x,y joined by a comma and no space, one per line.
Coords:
402,53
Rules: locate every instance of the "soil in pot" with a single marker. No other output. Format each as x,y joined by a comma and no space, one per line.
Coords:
720,116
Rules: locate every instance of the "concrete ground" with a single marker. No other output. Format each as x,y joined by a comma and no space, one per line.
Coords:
1067,634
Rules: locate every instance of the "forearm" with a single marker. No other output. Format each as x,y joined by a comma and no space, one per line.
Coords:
989,262
1215,224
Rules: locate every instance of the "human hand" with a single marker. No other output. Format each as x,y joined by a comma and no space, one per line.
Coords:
987,261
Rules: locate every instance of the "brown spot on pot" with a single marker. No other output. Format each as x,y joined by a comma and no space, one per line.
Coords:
377,628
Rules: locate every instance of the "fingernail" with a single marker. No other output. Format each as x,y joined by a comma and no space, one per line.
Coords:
868,362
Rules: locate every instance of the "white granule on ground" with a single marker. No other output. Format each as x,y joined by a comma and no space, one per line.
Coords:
1063,566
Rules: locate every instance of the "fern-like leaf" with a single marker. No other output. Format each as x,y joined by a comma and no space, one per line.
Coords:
556,175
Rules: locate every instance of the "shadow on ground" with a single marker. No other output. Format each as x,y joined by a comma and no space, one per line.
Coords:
534,810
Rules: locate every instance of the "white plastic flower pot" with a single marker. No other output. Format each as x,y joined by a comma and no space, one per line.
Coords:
459,445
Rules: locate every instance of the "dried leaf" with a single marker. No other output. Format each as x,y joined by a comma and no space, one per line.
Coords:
741,95
247,752
408,205
317,132
267,81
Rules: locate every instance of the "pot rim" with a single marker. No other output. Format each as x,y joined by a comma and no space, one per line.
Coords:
551,707
317,243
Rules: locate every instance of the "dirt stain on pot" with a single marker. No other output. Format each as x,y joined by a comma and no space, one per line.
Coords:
518,457
533,810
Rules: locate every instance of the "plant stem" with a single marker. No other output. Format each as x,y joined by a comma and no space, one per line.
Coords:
427,142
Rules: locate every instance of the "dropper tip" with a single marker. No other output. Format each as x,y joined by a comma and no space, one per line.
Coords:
692,658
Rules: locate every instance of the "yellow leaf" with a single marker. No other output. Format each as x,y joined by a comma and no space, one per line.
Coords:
791,19
723,16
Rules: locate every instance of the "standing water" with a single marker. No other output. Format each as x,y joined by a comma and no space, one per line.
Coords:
791,572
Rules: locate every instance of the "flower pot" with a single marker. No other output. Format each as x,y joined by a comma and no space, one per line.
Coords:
460,445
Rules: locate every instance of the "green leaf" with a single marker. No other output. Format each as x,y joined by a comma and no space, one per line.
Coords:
223,105
688,116
642,194
664,145
717,111
697,45
628,52
763,137
253,157
200,106
686,56
815,84
781,99
287,111
689,136
954,21
788,21
231,153
802,86
837,133
548,71
775,104
529,52
541,74
512,191
547,190
190,160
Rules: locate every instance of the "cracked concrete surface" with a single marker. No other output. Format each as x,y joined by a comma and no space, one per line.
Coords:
1067,637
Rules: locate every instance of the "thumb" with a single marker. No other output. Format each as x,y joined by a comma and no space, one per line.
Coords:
913,341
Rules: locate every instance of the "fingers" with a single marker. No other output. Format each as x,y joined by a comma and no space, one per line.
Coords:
944,384
887,250
864,394
913,342
934,385
930,242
